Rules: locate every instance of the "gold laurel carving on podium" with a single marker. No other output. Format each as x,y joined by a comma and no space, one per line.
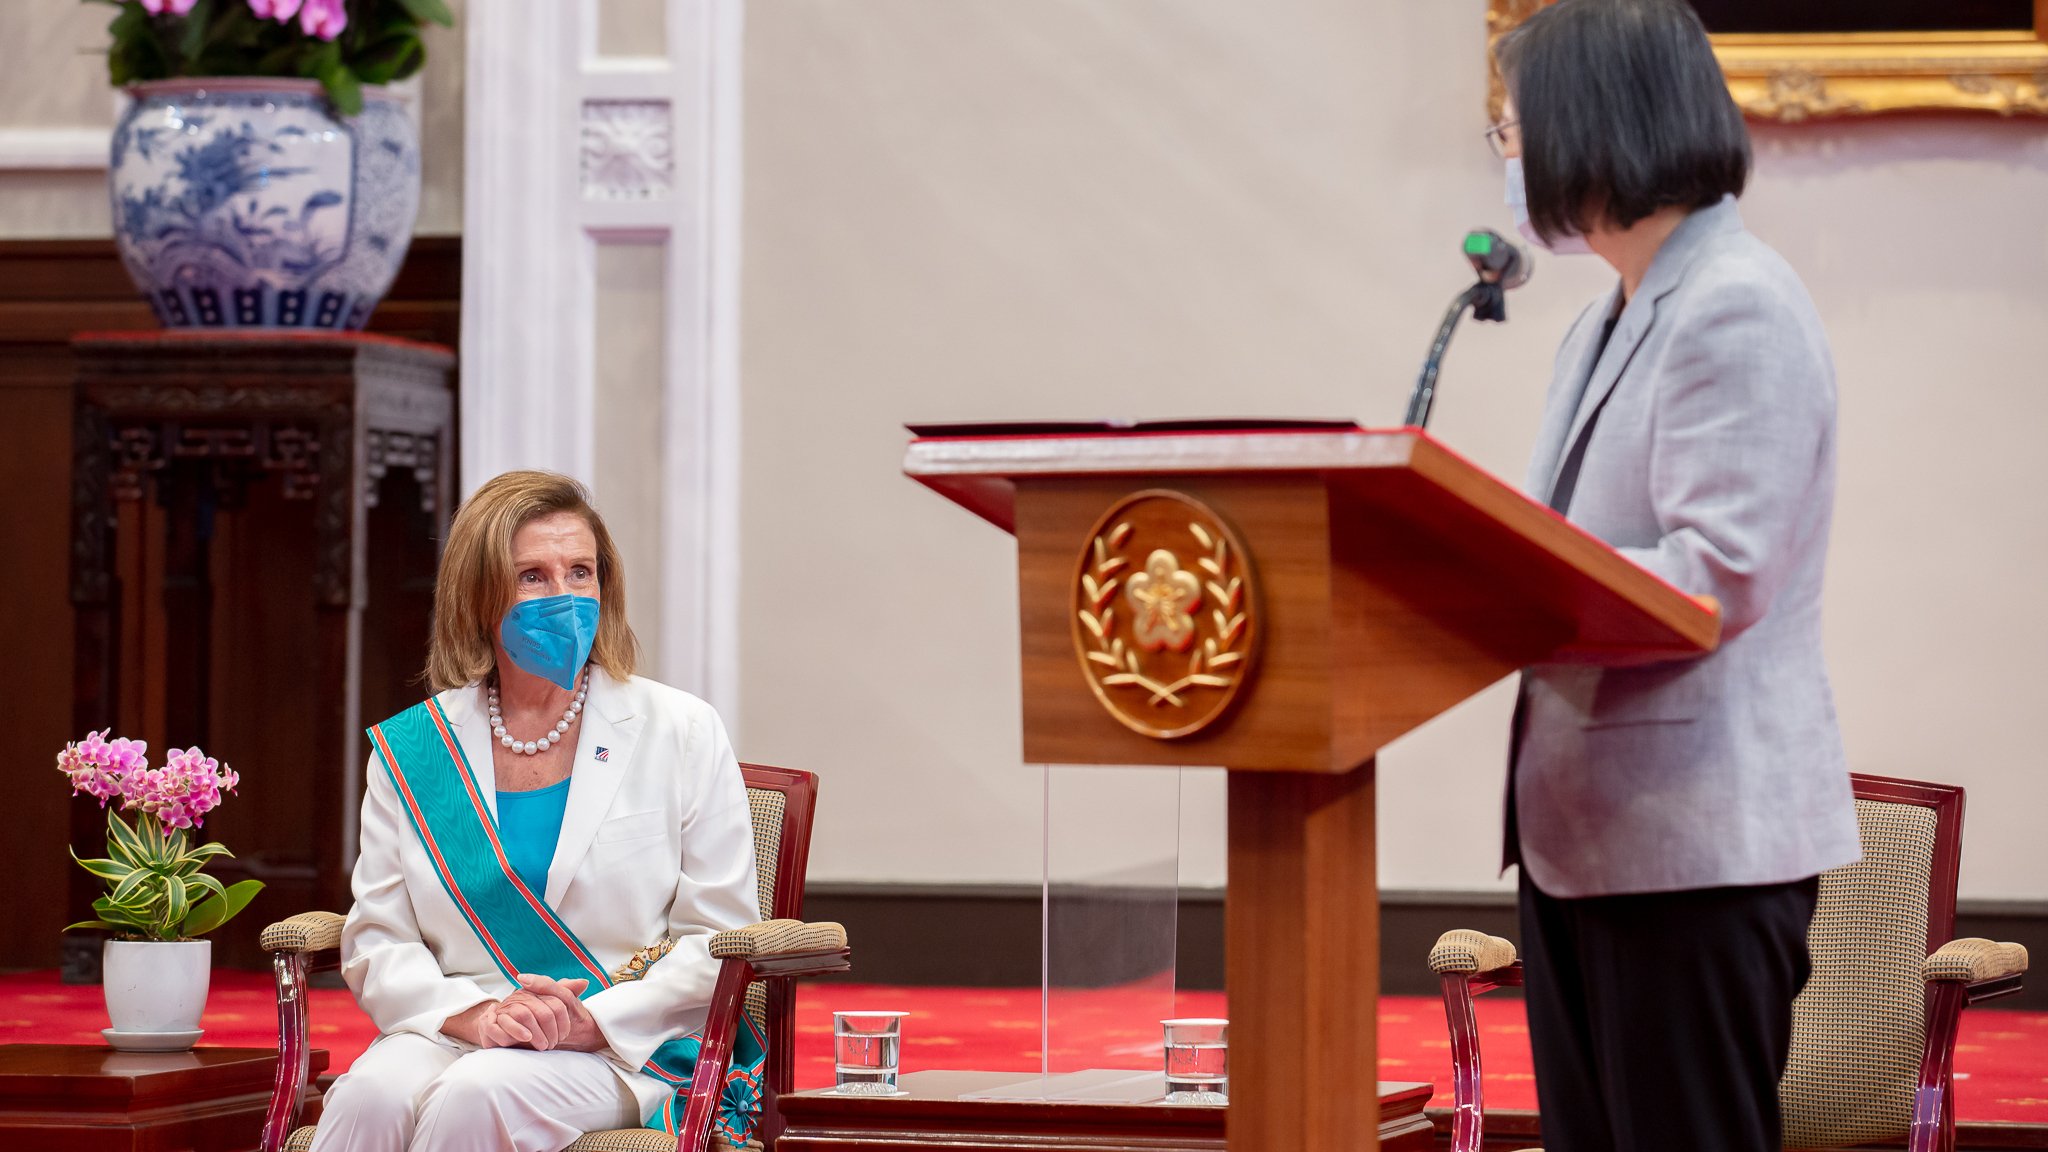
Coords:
1165,646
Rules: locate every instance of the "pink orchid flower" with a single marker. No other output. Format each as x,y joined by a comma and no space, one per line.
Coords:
183,791
323,18
174,7
278,10
99,768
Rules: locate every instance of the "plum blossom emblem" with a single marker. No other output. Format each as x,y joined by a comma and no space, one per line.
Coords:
1164,596
1165,648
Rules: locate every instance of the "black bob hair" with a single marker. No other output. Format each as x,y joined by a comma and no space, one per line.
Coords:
1622,110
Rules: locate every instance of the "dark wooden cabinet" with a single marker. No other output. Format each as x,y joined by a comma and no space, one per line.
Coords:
50,290
255,522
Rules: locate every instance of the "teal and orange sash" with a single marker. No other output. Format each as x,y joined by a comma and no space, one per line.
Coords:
522,934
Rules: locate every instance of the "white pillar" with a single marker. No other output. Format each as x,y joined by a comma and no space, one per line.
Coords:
601,291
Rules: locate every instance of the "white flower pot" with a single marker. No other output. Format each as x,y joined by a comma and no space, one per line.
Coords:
156,986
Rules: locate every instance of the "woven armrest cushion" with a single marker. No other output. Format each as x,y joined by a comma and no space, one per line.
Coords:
625,1140
616,1140
1973,959
306,932
1463,950
648,1140
776,938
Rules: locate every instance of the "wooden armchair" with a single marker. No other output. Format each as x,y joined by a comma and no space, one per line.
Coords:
1874,1033
758,964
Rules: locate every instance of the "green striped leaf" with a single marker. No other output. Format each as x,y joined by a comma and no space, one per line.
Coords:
118,916
151,833
131,891
122,842
192,861
199,886
212,913
105,869
174,894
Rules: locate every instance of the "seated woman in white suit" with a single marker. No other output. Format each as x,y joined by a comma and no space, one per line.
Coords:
542,822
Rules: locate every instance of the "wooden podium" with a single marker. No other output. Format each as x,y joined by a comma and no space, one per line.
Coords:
1284,603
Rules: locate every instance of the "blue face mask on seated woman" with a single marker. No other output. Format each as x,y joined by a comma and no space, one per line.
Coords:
550,637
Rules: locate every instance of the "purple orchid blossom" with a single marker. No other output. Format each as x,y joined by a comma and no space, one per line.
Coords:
323,18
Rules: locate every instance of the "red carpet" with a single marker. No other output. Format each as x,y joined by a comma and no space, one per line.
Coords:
2001,1058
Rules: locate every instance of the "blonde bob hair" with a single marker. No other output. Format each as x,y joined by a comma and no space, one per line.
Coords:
475,587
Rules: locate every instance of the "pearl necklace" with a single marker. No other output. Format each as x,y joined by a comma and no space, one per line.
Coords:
535,747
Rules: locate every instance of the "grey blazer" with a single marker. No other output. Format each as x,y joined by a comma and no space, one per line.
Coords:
1711,463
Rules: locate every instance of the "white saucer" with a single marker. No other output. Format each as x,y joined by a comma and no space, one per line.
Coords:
152,1041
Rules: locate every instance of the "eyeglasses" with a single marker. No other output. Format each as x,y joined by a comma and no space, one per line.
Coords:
1497,136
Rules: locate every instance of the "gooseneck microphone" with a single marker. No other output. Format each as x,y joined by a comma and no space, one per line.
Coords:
1500,266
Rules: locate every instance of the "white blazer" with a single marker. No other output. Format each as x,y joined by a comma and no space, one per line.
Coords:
656,841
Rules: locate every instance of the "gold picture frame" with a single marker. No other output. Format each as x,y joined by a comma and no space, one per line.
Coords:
1802,77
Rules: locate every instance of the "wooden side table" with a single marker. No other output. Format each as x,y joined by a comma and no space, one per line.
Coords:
73,1098
211,422
931,1114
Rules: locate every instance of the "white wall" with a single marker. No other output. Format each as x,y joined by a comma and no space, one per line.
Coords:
962,209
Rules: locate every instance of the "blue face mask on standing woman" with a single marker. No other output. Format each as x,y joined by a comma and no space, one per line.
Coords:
550,637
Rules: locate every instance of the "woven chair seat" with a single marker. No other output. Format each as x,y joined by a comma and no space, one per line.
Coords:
617,1140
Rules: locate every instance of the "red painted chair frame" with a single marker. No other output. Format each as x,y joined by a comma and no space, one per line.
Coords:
800,797
728,997
1934,1128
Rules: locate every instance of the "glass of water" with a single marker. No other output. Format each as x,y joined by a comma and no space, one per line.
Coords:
1197,1061
865,1049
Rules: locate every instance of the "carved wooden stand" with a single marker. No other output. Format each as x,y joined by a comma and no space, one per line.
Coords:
200,417
79,1097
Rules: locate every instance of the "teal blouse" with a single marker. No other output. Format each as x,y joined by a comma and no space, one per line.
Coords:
529,823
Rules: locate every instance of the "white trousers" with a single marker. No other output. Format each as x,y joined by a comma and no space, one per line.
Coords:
408,1092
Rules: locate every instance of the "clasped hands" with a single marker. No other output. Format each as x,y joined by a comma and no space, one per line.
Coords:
544,1014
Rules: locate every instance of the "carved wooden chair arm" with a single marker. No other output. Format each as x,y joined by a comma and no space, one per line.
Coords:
1469,952
306,932
1973,961
778,938
292,943
1468,963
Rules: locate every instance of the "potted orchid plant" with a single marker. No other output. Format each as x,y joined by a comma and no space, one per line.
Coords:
159,897
263,176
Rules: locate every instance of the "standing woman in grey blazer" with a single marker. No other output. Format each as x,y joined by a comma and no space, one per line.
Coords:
1671,821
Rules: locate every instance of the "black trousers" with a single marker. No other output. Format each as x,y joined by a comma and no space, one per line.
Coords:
1662,1022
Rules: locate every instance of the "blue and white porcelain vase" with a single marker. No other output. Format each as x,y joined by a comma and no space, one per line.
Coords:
248,203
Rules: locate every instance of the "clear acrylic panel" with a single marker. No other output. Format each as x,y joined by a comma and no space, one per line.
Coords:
1111,906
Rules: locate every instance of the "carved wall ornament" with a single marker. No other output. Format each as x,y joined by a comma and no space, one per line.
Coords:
1164,614
1801,76
1794,94
2011,93
385,450
138,449
627,150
